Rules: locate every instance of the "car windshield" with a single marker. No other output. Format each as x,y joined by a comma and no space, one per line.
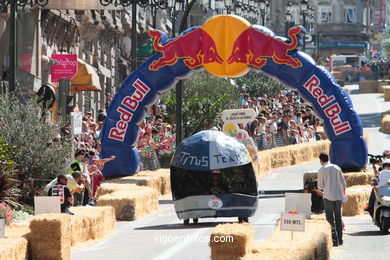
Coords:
240,179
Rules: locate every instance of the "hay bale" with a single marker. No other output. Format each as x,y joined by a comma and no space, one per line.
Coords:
385,124
131,204
18,230
357,199
90,223
386,92
13,248
108,188
50,237
368,86
382,83
241,235
165,178
337,75
314,243
154,182
264,162
358,178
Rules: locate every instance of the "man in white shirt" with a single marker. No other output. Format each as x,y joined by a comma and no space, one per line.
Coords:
382,179
331,181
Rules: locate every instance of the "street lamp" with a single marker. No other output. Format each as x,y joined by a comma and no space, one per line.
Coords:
154,5
228,5
263,4
12,41
304,5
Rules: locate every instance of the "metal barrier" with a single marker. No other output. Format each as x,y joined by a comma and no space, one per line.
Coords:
268,141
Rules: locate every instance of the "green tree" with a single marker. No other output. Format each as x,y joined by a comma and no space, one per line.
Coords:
386,46
36,155
204,98
257,84
9,191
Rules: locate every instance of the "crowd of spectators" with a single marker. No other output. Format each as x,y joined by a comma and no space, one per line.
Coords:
156,138
286,114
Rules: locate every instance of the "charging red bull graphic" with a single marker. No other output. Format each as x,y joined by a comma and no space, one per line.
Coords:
253,46
196,48
228,46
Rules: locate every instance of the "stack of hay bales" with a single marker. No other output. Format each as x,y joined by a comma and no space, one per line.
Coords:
314,243
159,180
382,83
240,235
357,198
368,86
15,243
290,155
129,201
358,178
386,92
50,236
385,124
14,248
91,223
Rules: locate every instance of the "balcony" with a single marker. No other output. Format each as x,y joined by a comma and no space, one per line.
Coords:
342,28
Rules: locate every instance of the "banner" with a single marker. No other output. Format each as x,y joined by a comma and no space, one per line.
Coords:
66,67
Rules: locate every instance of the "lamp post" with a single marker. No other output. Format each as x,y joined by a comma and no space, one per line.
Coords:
154,5
12,42
228,5
304,4
263,4
175,6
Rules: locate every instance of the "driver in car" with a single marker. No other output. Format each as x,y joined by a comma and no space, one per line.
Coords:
216,186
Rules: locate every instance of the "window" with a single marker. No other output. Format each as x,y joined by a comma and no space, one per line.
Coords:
325,14
350,15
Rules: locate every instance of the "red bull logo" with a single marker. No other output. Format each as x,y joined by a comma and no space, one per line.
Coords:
196,48
225,45
253,47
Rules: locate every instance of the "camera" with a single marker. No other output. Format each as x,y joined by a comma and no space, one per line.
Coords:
375,158
310,185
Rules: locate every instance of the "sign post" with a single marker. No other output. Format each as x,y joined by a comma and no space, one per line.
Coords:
292,221
76,120
47,204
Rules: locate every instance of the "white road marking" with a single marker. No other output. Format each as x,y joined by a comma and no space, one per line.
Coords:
266,219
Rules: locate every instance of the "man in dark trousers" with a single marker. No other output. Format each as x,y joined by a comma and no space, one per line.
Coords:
331,181
61,190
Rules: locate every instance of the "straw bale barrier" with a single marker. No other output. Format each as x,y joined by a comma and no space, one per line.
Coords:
368,86
385,124
386,92
91,223
13,248
314,243
241,235
290,155
50,237
357,199
351,178
382,83
159,180
337,74
131,204
108,188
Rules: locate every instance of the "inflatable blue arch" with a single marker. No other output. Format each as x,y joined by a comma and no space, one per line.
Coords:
297,70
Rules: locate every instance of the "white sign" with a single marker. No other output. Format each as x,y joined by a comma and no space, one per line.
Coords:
215,203
2,227
238,116
47,204
300,202
76,121
292,221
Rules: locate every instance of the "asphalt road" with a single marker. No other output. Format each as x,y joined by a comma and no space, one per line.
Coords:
153,237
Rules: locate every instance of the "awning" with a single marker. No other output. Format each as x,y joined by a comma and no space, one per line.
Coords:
86,78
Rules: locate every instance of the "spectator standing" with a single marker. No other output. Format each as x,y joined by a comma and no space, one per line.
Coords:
61,190
331,181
